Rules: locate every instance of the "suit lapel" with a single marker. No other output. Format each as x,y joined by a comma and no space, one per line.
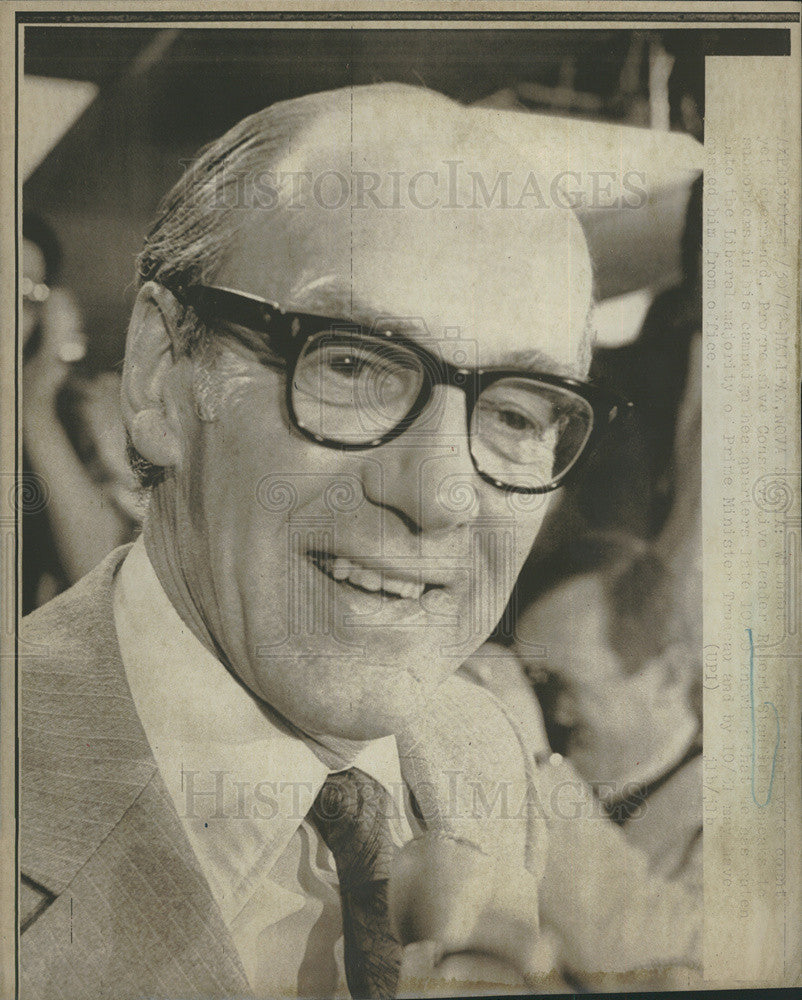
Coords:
84,755
137,920
131,911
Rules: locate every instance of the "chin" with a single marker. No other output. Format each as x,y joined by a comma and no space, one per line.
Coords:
360,697
361,730
339,723
365,716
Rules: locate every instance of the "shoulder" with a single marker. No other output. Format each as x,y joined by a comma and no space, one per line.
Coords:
71,620
497,669
463,708
669,826
463,726
68,643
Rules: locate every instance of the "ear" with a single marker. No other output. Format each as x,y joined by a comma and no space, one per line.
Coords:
148,406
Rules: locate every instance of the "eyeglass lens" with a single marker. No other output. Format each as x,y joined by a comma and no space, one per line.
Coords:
354,390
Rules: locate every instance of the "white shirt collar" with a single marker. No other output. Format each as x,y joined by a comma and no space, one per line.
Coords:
241,783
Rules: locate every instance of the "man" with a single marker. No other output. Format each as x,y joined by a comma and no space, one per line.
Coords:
616,686
350,391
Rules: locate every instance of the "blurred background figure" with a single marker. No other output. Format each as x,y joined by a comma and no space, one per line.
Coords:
604,647
597,643
630,483
83,492
654,371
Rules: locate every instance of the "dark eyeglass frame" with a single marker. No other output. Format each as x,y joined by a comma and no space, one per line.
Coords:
288,332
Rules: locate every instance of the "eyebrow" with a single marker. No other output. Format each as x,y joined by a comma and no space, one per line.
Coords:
334,298
338,301
534,361
330,296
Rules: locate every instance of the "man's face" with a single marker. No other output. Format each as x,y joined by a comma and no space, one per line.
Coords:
604,715
308,561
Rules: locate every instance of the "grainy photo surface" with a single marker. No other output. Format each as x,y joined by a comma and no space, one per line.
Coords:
401,492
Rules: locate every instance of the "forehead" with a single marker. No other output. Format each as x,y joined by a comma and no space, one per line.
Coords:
367,230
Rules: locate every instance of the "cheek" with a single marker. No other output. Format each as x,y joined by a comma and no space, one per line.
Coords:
527,513
247,447
239,503
263,485
507,529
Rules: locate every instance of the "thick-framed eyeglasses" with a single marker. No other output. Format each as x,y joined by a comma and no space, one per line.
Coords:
352,388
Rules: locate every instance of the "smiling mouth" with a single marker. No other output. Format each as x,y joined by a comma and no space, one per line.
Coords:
368,580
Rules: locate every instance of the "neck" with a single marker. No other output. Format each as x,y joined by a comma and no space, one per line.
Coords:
161,535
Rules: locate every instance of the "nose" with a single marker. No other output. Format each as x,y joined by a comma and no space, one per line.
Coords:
426,476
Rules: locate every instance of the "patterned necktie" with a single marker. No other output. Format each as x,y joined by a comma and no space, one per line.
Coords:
351,814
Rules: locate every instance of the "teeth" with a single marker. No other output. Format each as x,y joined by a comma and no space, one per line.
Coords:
370,579
435,601
367,578
341,569
405,588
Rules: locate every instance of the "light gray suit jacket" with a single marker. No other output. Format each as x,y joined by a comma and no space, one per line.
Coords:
112,901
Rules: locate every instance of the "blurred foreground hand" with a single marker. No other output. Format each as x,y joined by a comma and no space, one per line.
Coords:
469,922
